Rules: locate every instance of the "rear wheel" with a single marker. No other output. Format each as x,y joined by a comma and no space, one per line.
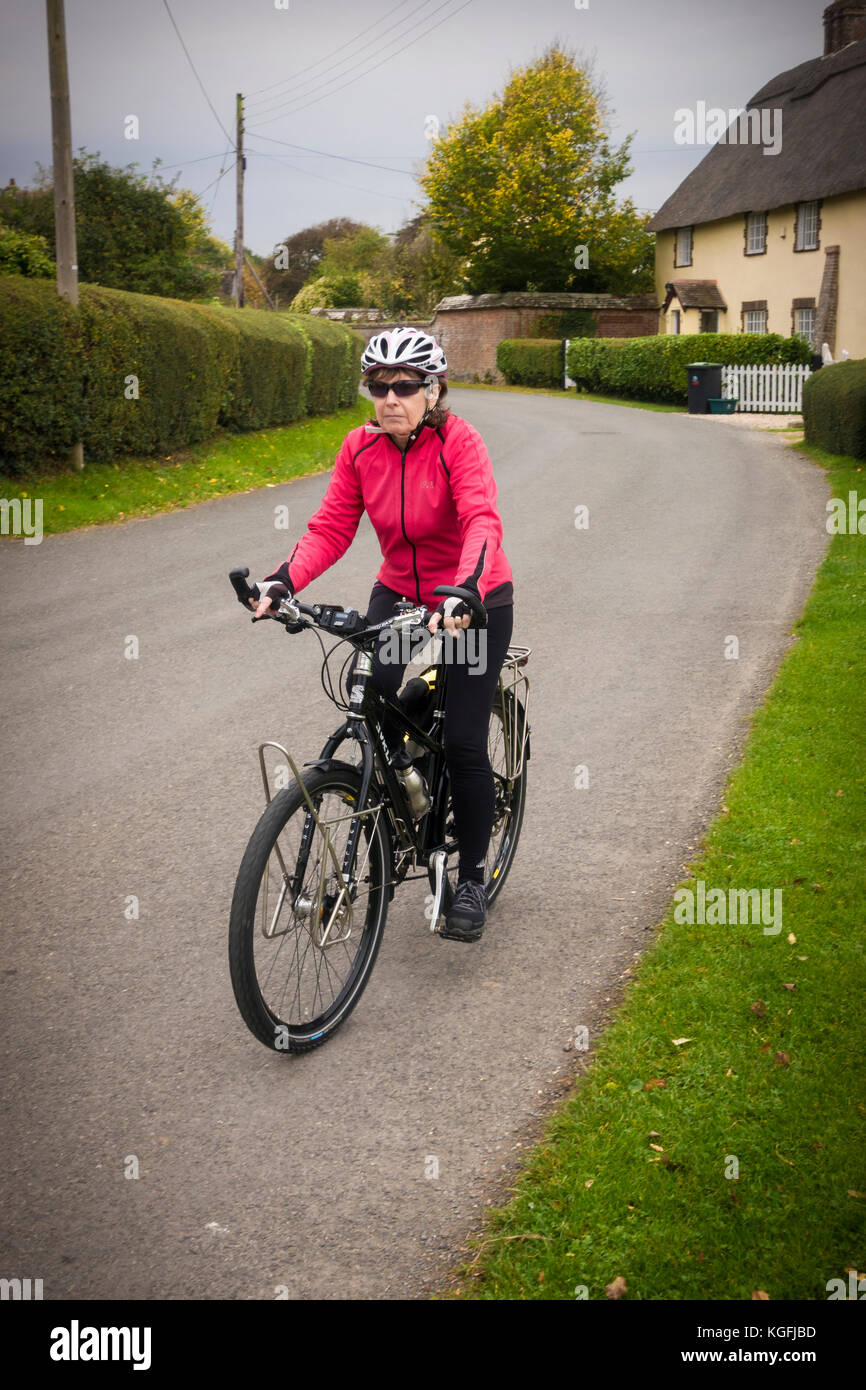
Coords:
507,721
302,943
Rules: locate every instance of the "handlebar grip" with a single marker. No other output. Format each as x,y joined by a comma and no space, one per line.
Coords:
238,577
473,602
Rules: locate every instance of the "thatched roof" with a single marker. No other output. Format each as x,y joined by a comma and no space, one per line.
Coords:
823,149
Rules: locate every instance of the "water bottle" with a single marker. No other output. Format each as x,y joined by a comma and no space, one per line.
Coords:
416,791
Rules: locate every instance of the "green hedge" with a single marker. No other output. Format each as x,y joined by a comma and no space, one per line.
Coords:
66,374
834,408
654,368
530,361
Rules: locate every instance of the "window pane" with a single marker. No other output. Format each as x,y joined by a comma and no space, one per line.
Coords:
807,226
804,322
684,246
757,233
756,321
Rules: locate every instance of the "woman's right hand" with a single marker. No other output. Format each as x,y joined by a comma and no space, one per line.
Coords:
267,596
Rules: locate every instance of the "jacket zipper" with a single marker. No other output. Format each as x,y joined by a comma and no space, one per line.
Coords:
403,519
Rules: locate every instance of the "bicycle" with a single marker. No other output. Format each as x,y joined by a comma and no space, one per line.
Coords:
330,849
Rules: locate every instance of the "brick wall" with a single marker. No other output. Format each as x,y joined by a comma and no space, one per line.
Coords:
470,335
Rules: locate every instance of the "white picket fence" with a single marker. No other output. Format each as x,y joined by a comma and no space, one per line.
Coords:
771,389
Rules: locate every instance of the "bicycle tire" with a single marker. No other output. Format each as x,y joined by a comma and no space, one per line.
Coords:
508,809
306,957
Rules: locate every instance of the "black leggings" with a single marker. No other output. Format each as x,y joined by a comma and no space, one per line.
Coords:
468,702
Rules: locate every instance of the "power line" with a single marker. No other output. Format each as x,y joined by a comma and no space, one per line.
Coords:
374,192
200,160
317,81
348,158
197,78
222,173
309,66
386,59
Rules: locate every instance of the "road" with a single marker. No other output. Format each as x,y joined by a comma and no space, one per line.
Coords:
138,778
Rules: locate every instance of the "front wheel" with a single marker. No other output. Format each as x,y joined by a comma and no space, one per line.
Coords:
302,939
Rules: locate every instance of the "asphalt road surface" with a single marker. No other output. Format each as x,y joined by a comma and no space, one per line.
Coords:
139,777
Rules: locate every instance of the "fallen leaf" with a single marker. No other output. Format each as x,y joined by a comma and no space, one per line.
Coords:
589,1182
791,987
861,1195
781,1059
792,940
655,1084
654,1134
759,1009
658,1148
796,842
617,1288
678,1042
541,1276
758,1295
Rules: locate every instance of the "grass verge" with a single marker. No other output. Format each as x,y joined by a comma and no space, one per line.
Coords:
231,463
715,1146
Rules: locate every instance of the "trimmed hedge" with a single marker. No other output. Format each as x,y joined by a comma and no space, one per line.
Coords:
834,408
531,361
65,374
654,368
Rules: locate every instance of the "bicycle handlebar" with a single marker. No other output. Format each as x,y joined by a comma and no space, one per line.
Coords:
346,622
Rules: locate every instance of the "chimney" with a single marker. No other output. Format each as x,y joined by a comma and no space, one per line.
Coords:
844,23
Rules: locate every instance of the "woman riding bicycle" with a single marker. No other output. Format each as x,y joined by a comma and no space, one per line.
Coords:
425,479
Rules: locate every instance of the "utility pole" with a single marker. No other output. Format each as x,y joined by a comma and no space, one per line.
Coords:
239,225
64,189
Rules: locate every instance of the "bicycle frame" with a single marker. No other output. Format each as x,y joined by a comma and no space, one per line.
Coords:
410,840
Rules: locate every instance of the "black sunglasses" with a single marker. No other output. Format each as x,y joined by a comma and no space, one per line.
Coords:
379,389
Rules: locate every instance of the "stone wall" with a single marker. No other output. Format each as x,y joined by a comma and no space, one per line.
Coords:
470,327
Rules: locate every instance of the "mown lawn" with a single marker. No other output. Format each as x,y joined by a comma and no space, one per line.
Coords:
716,1146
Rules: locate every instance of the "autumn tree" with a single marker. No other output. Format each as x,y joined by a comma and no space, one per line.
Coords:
296,259
518,188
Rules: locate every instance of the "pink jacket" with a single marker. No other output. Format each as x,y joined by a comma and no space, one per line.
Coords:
433,508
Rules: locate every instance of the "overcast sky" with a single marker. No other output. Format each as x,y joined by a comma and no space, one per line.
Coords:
339,84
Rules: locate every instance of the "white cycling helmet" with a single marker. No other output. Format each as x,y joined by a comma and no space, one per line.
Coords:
405,347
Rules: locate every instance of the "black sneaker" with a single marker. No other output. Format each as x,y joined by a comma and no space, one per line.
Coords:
467,912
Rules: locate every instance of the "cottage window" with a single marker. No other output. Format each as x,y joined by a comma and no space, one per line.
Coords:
683,246
807,227
675,316
756,233
804,323
709,321
755,321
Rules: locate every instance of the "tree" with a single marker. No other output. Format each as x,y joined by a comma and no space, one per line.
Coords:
134,231
295,259
517,188
351,271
